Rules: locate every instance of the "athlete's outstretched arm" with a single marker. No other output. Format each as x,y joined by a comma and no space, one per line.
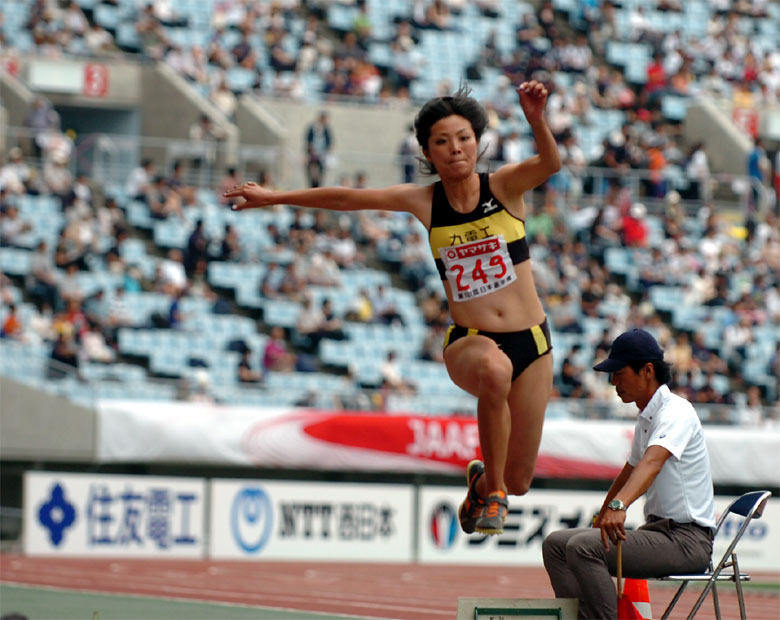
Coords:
408,197
515,179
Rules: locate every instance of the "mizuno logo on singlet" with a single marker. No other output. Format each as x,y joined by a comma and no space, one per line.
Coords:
489,206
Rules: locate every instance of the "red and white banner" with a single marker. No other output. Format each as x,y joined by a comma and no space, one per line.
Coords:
131,431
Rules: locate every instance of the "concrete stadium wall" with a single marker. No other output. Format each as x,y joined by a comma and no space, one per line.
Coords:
167,103
37,426
262,139
16,98
365,138
170,105
727,147
3,129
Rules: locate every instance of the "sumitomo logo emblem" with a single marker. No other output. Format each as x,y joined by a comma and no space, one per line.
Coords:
251,519
57,514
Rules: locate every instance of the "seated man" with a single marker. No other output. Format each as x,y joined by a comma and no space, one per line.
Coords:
669,464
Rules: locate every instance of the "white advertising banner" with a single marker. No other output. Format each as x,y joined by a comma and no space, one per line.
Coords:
535,515
259,519
313,439
110,515
529,520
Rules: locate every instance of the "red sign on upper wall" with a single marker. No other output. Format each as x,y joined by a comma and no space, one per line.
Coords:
95,80
10,65
746,119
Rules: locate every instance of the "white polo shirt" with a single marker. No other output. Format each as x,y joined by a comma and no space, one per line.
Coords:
682,491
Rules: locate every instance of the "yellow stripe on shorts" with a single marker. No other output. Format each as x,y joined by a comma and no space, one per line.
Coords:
447,336
539,338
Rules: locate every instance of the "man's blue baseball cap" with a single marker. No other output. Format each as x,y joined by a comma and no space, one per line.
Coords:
634,346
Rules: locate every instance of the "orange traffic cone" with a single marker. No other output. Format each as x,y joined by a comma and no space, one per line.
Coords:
633,600
636,593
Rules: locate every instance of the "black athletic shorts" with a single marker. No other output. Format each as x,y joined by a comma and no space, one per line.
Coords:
522,347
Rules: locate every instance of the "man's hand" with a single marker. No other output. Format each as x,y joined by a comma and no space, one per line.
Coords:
612,526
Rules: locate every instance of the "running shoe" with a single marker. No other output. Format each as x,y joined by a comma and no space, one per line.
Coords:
471,508
494,515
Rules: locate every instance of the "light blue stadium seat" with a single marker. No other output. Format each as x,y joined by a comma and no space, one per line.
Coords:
674,107
422,89
281,313
168,360
25,362
138,215
341,17
666,297
688,317
127,35
132,341
15,261
240,79
618,259
565,6
107,15
171,233
133,250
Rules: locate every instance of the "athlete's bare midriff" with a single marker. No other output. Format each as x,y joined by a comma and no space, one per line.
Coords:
510,309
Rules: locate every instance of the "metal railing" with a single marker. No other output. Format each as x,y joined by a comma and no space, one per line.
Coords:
69,382
109,159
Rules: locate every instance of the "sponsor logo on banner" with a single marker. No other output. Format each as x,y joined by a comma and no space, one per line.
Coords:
57,514
251,519
281,520
401,442
532,517
444,526
78,514
343,521
529,520
452,441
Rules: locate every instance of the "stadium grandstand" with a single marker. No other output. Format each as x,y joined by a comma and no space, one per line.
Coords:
126,278
146,328
125,275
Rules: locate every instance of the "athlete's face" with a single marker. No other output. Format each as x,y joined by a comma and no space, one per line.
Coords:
452,146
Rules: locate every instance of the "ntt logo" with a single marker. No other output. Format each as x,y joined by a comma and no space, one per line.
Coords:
443,526
251,519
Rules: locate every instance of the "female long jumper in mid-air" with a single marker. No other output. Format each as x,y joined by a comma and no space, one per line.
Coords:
498,346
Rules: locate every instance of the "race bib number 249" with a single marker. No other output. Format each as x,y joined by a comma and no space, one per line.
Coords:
477,268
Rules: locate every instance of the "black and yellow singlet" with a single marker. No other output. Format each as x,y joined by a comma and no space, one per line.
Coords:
473,250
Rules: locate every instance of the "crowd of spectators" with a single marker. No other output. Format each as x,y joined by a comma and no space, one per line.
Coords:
717,263
717,267
276,44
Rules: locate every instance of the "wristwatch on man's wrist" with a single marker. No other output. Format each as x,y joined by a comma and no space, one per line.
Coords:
616,504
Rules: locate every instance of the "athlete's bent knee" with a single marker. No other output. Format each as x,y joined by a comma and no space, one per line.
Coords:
493,374
517,483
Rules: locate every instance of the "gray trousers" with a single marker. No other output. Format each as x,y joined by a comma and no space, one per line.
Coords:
579,567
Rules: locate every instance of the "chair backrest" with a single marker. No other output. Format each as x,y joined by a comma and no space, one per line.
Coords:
750,506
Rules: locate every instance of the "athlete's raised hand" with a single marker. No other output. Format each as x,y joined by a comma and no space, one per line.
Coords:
533,99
